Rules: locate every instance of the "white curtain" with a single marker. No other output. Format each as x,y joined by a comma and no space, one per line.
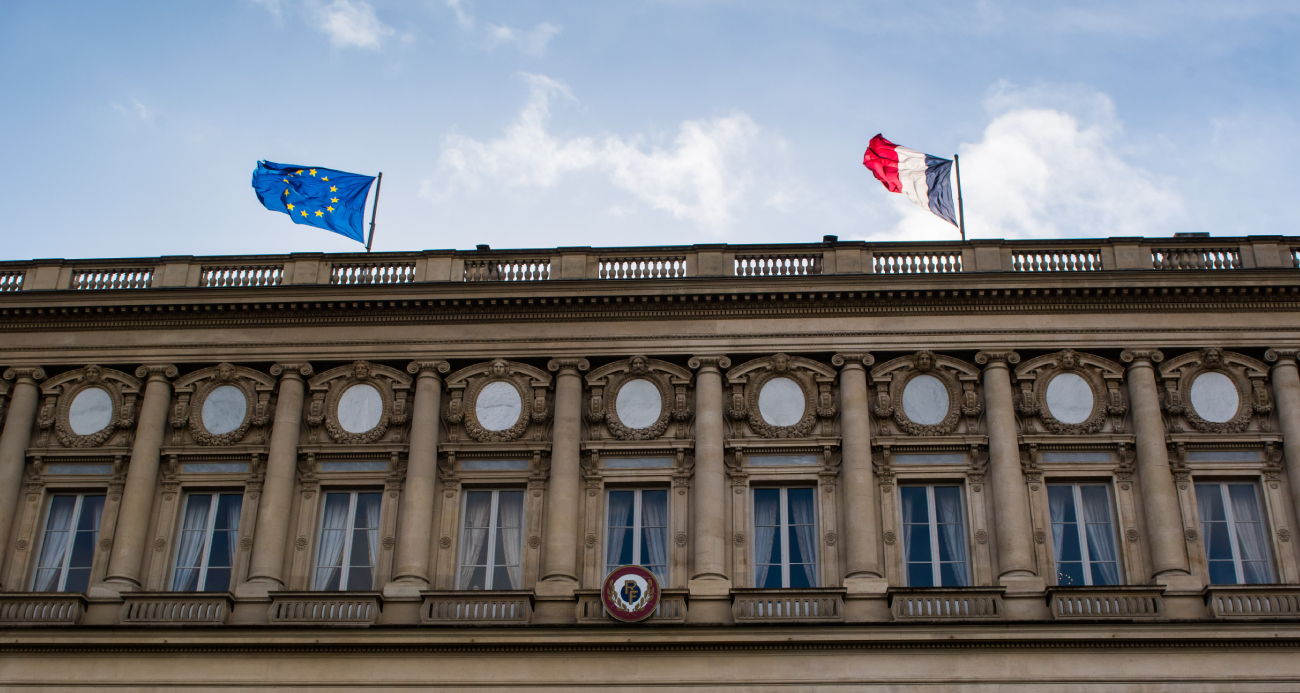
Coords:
1057,498
620,511
478,511
372,531
1250,534
58,528
334,527
654,517
189,552
232,523
1101,538
767,514
510,516
908,496
803,516
953,528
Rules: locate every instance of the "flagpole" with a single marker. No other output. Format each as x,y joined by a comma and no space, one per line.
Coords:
380,182
961,211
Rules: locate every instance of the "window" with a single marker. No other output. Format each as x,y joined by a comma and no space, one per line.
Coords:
1083,534
491,543
785,532
1236,545
638,531
349,542
206,550
68,545
934,536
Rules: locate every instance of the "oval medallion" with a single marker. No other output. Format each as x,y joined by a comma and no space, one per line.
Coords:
91,411
639,403
224,409
781,402
1215,397
498,406
360,408
1069,398
630,593
925,400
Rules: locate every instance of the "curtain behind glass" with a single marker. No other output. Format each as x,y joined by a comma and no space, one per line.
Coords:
1058,499
952,536
83,544
221,551
767,515
654,534
918,560
334,528
189,552
803,515
473,541
1214,531
54,545
1251,540
365,542
1101,536
510,521
618,545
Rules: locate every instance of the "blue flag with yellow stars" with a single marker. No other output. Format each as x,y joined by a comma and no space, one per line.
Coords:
320,197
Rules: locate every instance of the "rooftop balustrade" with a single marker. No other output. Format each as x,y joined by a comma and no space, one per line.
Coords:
656,263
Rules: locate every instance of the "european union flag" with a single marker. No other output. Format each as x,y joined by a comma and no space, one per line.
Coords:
320,197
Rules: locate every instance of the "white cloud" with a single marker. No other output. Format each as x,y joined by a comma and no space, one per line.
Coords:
463,17
532,42
1044,172
351,23
136,111
703,177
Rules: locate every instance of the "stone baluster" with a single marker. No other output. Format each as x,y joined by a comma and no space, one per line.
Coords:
709,496
861,514
23,404
1015,534
1286,390
1169,564
266,565
560,567
411,573
131,536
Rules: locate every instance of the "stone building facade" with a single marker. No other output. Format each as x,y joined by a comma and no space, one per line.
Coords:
1056,465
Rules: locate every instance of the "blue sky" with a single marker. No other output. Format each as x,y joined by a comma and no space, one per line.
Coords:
132,128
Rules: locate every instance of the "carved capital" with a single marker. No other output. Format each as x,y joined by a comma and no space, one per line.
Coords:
699,363
850,360
291,370
157,371
433,368
32,373
1140,356
994,358
568,364
1281,356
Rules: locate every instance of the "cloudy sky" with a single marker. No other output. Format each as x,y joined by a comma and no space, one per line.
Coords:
132,128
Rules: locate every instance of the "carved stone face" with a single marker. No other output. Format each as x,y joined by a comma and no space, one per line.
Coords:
1069,359
361,369
924,360
780,362
498,369
638,364
1211,356
94,373
225,371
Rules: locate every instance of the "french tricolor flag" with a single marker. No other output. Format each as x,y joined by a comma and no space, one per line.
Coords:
923,178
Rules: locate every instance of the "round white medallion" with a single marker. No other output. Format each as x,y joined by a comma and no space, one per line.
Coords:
781,402
1214,397
639,403
925,400
498,406
1069,398
91,411
360,408
224,409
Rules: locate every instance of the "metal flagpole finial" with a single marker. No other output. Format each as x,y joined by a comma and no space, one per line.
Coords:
379,182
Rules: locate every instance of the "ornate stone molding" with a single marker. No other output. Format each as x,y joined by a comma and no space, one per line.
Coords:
986,358
192,392
573,364
157,370
1103,376
436,367
890,380
605,382
847,360
466,384
814,379
328,388
60,392
717,362
1247,374
882,460
1140,356
33,373
1282,355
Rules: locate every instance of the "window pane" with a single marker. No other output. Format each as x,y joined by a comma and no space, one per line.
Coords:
1069,574
510,521
916,544
654,508
654,533
621,506
218,580
1097,514
189,551
228,509
916,508
920,575
767,537
333,537
78,580
1252,542
1060,499
1222,573
952,574
951,521
1209,503
54,543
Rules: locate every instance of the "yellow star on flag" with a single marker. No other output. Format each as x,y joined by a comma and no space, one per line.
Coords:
333,189
290,208
286,191
330,209
324,179
320,213
334,199
299,173
313,171
304,212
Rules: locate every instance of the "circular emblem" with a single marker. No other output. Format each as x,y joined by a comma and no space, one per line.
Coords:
630,593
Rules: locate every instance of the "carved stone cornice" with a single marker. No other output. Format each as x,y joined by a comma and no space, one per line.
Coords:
291,370
1138,357
32,373
852,360
432,368
702,363
159,371
1282,356
991,359
568,364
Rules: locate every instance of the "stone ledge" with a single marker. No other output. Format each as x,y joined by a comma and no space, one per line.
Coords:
947,603
1253,602
176,608
355,609
42,609
1129,602
477,608
811,605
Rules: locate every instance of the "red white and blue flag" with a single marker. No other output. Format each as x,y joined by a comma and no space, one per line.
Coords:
923,178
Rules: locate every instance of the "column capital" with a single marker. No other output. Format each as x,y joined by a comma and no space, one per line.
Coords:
997,358
291,370
568,364
1140,356
704,362
1281,356
852,359
157,371
433,368
33,373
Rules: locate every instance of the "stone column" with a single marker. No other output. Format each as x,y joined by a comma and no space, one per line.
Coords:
415,526
266,565
1286,390
1015,533
709,496
131,537
1169,564
861,514
560,567
23,403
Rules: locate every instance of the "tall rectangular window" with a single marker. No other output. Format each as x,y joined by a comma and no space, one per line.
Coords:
68,544
934,536
637,531
349,542
785,537
206,550
1236,542
491,541
1083,534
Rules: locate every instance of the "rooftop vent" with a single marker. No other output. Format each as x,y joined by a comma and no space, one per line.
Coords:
830,239
482,246
1192,234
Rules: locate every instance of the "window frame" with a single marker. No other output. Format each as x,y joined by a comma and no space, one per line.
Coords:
783,532
493,528
209,529
1081,529
932,515
64,564
1230,517
637,528
349,531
